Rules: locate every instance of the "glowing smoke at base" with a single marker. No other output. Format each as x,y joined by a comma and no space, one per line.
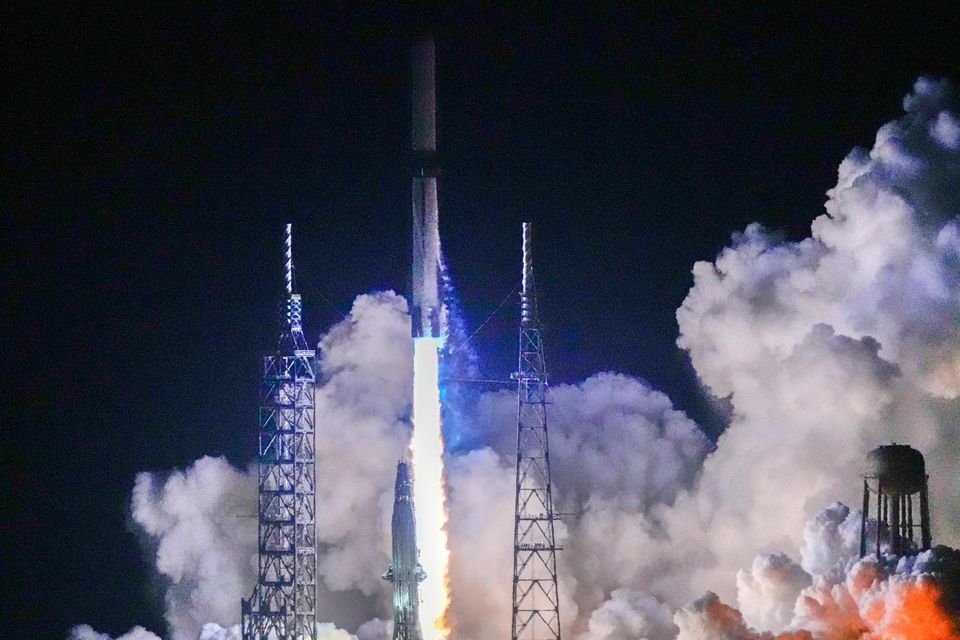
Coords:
428,489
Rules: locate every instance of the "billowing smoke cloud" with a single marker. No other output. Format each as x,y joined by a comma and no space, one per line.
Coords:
827,348
85,632
888,599
206,541
824,348
363,404
619,447
631,614
768,590
831,346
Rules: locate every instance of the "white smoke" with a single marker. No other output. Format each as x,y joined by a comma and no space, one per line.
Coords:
362,428
481,491
831,536
206,541
631,614
766,592
213,631
85,632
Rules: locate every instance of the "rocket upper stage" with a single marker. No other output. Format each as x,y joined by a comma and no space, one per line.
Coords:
424,96
425,270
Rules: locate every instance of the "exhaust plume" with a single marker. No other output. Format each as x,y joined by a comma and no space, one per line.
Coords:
429,487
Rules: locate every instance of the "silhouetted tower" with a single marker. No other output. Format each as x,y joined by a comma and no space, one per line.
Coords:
283,604
896,476
536,601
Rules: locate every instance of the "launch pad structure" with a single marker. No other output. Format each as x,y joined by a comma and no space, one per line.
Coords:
283,603
536,599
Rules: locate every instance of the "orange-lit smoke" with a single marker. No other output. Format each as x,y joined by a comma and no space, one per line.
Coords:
910,612
894,599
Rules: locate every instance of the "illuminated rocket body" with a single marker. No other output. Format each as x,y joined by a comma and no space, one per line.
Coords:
426,310
405,572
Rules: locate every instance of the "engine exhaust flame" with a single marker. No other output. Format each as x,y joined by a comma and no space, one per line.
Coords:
428,489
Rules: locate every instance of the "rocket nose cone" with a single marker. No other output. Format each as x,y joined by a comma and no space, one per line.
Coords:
404,486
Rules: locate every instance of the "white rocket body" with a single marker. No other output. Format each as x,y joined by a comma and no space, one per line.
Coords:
426,312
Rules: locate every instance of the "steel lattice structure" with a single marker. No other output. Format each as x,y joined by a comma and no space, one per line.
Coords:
283,604
536,602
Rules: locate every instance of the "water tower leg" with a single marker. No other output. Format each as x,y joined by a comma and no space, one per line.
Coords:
879,514
895,526
863,518
924,519
910,518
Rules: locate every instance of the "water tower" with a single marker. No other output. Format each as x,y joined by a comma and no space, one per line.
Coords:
896,482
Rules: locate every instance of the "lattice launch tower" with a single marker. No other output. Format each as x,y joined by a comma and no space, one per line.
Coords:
536,601
283,603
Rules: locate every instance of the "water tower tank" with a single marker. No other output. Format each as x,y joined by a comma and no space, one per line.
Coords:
898,467
897,477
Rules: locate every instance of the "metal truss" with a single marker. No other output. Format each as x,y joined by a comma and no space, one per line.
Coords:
536,601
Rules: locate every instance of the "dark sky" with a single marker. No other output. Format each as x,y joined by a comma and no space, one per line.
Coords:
153,157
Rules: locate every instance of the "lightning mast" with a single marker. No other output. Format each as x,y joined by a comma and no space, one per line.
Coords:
283,603
536,602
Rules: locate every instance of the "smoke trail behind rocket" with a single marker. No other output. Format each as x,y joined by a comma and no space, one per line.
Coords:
426,310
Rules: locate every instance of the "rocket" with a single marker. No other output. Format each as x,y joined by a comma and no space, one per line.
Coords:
427,308
405,572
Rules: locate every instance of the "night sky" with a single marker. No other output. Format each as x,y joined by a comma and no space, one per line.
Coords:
152,157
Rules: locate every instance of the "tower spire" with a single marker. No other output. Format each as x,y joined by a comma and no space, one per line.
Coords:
528,299
283,603
291,335
536,600
288,255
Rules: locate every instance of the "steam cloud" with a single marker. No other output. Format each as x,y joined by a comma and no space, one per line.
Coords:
824,348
